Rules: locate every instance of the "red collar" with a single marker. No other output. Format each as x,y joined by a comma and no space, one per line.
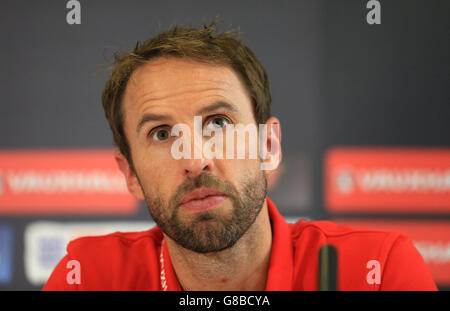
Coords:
280,272
281,264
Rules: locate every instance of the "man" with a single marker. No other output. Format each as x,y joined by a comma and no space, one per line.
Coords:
216,229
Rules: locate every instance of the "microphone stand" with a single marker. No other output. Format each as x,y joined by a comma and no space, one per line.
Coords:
328,266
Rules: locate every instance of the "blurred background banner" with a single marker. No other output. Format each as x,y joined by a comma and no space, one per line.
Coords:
387,180
364,105
63,181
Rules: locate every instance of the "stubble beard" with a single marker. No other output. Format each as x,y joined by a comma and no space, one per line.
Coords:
210,231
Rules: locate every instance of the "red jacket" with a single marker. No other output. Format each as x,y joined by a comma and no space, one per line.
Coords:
131,261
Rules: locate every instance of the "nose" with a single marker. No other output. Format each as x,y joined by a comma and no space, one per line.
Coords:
194,167
197,163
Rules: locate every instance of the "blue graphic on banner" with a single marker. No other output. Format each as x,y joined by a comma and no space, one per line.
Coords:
51,250
6,253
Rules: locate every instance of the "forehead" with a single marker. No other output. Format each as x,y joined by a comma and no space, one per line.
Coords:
168,82
163,72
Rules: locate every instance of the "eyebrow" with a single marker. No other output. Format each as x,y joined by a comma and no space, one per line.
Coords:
149,117
217,105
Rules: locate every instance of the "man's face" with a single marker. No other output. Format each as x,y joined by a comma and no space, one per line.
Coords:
229,193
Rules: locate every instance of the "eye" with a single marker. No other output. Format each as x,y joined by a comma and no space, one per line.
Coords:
161,134
218,122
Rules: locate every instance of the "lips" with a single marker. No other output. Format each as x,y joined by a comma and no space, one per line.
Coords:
202,199
200,194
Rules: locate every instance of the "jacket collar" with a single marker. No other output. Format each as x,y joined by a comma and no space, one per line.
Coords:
281,255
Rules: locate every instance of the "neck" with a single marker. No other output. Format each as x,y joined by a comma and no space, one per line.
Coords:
243,266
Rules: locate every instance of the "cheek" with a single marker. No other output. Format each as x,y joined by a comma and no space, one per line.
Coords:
236,170
157,173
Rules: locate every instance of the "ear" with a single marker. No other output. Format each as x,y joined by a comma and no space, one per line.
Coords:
273,142
132,182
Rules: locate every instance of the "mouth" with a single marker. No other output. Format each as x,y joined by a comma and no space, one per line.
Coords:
201,200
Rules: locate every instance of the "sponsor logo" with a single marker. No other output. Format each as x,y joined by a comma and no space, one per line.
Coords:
345,180
46,242
64,181
6,253
387,180
391,180
431,238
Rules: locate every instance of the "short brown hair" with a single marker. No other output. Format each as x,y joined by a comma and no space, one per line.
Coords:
205,45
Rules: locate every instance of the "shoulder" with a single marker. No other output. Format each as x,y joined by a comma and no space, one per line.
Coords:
116,261
358,249
354,244
116,251
332,232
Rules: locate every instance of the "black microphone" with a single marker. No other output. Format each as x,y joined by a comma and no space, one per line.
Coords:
328,267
